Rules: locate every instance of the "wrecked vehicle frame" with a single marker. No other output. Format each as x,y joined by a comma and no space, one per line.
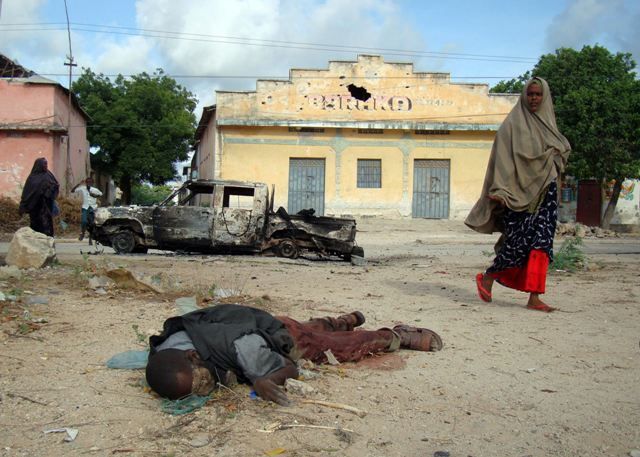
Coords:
216,216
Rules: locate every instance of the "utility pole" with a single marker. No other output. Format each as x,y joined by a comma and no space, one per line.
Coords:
70,63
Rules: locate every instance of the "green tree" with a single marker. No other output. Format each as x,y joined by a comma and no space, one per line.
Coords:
513,86
146,195
141,126
597,101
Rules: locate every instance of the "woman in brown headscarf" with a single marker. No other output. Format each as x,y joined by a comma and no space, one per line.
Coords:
38,197
519,196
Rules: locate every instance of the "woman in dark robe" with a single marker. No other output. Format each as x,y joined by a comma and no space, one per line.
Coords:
519,196
38,197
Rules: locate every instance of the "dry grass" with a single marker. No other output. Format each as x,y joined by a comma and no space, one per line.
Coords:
10,220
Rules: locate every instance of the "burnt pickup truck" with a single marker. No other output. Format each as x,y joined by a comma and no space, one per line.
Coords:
215,216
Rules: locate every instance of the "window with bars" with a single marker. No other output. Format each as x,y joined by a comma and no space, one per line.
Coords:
369,173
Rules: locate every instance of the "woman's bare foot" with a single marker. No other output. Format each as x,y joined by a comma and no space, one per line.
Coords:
487,282
538,305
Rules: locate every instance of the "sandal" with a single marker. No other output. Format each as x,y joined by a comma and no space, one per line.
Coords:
542,307
483,293
418,339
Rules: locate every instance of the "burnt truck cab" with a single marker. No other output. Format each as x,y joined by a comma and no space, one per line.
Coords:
218,216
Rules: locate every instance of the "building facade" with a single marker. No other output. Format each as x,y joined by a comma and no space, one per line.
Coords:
38,120
364,138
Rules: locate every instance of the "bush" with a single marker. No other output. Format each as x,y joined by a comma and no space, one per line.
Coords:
11,220
146,195
570,257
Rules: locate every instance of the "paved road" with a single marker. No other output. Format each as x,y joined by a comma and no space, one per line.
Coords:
449,244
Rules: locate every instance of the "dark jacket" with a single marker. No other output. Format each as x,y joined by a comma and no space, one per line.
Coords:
213,331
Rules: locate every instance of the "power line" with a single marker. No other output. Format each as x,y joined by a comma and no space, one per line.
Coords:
285,78
248,41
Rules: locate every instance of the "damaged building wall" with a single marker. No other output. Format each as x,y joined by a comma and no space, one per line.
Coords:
628,207
359,114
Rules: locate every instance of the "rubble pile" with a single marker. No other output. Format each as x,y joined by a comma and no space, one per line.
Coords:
583,231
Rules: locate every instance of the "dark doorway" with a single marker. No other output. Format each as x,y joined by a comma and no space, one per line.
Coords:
589,203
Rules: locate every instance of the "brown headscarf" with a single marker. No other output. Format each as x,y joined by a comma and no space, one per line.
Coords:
528,153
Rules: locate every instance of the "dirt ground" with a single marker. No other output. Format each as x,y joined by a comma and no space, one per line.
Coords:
509,381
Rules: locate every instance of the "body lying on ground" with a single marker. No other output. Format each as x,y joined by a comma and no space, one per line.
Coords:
196,351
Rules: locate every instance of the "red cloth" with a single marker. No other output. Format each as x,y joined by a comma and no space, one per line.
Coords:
531,277
314,337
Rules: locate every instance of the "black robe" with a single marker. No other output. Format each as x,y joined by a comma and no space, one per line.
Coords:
38,197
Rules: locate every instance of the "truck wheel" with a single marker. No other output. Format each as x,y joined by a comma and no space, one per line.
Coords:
288,249
123,242
356,250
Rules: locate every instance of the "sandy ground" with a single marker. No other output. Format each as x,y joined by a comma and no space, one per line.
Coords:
509,382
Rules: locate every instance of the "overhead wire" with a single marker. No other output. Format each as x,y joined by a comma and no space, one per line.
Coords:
263,42
163,34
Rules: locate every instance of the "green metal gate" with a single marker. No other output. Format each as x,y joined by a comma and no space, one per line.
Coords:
431,189
306,185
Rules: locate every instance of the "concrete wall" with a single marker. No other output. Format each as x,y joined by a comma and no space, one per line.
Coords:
262,154
397,94
33,120
206,152
77,167
320,114
628,206
18,151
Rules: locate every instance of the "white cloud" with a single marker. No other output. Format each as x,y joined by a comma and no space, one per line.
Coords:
28,44
326,23
610,23
364,23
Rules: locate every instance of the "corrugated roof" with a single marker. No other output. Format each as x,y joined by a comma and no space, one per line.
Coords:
207,113
10,69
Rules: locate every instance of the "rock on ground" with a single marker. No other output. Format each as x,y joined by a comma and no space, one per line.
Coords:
31,249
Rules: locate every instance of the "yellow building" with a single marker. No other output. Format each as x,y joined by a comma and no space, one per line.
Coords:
360,138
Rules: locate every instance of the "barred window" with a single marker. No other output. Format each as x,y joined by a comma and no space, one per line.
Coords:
371,131
369,173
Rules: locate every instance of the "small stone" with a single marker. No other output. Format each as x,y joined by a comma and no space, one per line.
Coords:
298,387
10,271
634,453
199,440
37,300
441,454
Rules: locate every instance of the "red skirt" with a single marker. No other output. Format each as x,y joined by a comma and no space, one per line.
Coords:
531,277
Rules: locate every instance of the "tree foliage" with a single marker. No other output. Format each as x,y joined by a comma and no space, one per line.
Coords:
147,195
513,86
141,126
597,102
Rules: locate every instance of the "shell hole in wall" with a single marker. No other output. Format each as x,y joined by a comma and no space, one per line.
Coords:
359,93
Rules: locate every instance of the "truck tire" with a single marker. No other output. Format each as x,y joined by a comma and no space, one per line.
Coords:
288,249
123,242
356,250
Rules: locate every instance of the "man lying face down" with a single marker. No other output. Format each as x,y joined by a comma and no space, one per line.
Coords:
195,351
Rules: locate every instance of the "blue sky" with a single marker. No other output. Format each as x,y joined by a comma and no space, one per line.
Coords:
465,34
